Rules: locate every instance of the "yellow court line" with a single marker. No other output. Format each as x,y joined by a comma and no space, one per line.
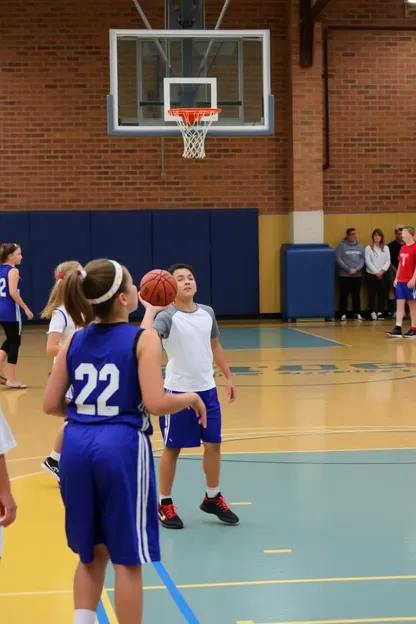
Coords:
343,450
112,618
346,579
356,621
240,504
276,552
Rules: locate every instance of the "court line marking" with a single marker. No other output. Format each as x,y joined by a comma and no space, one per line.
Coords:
31,474
346,579
101,613
302,331
19,459
176,595
297,452
242,503
342,579
109,616
277,552
354,621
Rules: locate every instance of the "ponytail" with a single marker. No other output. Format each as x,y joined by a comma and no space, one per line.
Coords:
56,297
75,302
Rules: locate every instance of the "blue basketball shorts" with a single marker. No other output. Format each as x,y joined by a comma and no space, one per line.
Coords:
182,430
404,292
108,487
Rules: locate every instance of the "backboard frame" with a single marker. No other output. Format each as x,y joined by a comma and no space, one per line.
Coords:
113,127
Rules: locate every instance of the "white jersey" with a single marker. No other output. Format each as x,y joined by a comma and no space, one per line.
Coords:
61,323
186,338
7,442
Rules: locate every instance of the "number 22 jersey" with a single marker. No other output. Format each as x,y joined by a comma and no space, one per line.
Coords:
102,367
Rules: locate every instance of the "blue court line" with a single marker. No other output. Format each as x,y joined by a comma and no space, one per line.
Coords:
101,614
179,600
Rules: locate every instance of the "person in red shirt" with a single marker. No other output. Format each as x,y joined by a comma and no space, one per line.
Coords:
405,284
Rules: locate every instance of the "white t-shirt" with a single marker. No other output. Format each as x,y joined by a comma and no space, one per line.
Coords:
186,338
7,441
61,323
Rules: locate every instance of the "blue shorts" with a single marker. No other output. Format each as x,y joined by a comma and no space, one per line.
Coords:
182,430
108,487
404,292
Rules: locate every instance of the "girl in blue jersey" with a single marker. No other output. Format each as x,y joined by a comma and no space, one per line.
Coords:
10,318
107,473
61,327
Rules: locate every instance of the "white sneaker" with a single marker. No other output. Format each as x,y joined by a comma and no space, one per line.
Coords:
373,316
344,317
359,317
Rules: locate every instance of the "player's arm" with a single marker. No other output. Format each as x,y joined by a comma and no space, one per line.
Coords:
13,278
8,507
148,321
149,355
58,384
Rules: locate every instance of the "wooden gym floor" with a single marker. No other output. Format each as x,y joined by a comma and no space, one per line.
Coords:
319,462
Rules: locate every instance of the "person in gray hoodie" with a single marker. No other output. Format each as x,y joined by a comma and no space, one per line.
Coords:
350,258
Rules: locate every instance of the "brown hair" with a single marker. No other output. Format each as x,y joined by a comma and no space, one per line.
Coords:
380,233
176,267
6,249
410,229
98,281
56,297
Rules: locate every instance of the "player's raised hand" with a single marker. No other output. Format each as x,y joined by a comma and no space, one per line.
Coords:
149,306
8,509
198,405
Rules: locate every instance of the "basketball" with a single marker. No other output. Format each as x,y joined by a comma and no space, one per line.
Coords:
158,288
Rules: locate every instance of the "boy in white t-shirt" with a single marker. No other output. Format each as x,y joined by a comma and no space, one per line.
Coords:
7,505
189,334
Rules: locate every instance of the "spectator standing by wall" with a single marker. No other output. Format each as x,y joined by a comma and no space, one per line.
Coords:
349,256
377,263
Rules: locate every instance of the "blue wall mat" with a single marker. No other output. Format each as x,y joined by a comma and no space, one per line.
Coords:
235,262
55,237
14,228
125,236
184,236
311,294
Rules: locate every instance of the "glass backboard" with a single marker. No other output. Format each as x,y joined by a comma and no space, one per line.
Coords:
153,71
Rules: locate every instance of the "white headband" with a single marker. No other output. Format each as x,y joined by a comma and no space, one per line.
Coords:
118,278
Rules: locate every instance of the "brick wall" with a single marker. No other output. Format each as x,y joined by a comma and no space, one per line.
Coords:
372,82
55,152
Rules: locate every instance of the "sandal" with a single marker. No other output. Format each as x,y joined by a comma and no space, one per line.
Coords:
3,380
19,386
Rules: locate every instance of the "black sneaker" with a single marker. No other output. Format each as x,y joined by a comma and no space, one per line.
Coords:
52,466
219,508
411,333
167,515
395,333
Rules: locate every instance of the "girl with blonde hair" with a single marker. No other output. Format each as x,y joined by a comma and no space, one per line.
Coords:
61,327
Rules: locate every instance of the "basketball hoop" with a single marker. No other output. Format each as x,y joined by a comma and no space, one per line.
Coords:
194,124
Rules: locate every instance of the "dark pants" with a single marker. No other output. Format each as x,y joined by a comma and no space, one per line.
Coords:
12,343
349,285
377,292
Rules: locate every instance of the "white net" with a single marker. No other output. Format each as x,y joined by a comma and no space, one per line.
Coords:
194,124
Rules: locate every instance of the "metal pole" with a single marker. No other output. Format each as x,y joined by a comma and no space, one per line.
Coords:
157,42
217,26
